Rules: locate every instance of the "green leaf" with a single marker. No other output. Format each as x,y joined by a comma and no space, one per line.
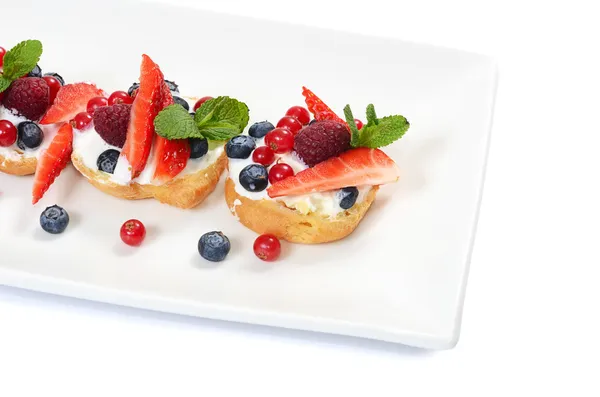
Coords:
174,122
382,132
245,113
21,59
4,83
371,115
222,118
355,134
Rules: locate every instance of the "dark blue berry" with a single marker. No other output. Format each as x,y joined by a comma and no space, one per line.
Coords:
36,72
312,121
240,147
54,219
107,161
199,147
30,135
254,178
347,197
214,246
260,129
172,86
182,102
57,77
133,87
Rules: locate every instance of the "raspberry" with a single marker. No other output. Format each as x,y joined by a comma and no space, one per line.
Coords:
29,96
111,123
321,140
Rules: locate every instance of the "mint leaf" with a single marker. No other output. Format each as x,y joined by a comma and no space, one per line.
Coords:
4,83
222,118
382,132
21,59
371,115
355,134
174,122
245,113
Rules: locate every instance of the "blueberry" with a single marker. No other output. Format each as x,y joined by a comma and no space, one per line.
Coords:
240,147
57,77
260,129
347,197
36,72
214,246
312,121
107,161
172,86
199,147
133,87
254,178
182,102
30,135
54,219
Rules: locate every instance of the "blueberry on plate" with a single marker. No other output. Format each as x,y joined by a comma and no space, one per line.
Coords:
172,86
240,147
30,135
56,76
54,219
214,246
254,178
198,147
347,197
36,72
260,129
181,102
133,87
107,161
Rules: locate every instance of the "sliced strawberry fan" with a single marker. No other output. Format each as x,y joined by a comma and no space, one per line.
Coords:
70,100
318,108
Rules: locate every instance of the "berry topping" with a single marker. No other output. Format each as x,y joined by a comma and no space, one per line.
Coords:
263,155
2,52
111,123
52,161
267,247
95,103
214,246
260,129
54,85
132,89
291,123
279,172
54,219
359,124
240,147
56,76
81,120
182,102
300,113
30,135
198,147
347,197
200,101
172,86
254,178
70,100
107,161
29,96
35,72
321,140
318,108
280,140
8,133
361,166
119,97
133,232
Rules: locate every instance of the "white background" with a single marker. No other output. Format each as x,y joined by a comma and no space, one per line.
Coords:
531,319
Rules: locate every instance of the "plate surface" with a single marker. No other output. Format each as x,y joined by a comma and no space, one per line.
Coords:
400,277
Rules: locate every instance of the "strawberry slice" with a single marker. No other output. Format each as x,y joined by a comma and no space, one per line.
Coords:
173,154
356,167
318,108
70,100
52,161
146,106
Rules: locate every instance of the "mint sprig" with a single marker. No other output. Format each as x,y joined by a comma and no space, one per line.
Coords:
174,122
377,132
20,60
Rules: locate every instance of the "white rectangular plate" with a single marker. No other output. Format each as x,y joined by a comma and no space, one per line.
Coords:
399,277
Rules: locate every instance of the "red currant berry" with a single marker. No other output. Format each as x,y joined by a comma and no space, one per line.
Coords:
201,101
299,113
359,124
279,172
53,85
8,133
291,123
280,140
2,52
81,120
263,155
133,232
267,247
96,103
119,97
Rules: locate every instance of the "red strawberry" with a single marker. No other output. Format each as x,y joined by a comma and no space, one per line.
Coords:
318,108
70,100
145,107
29,96
173,154
52,161
361,166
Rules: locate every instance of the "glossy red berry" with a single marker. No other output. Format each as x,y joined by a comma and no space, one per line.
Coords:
119,97
279,172
291,123
267,247
263,155
81,121
96,103
2,52
299,113
200,101
53,86
8,133
280,140
359,124
133,232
